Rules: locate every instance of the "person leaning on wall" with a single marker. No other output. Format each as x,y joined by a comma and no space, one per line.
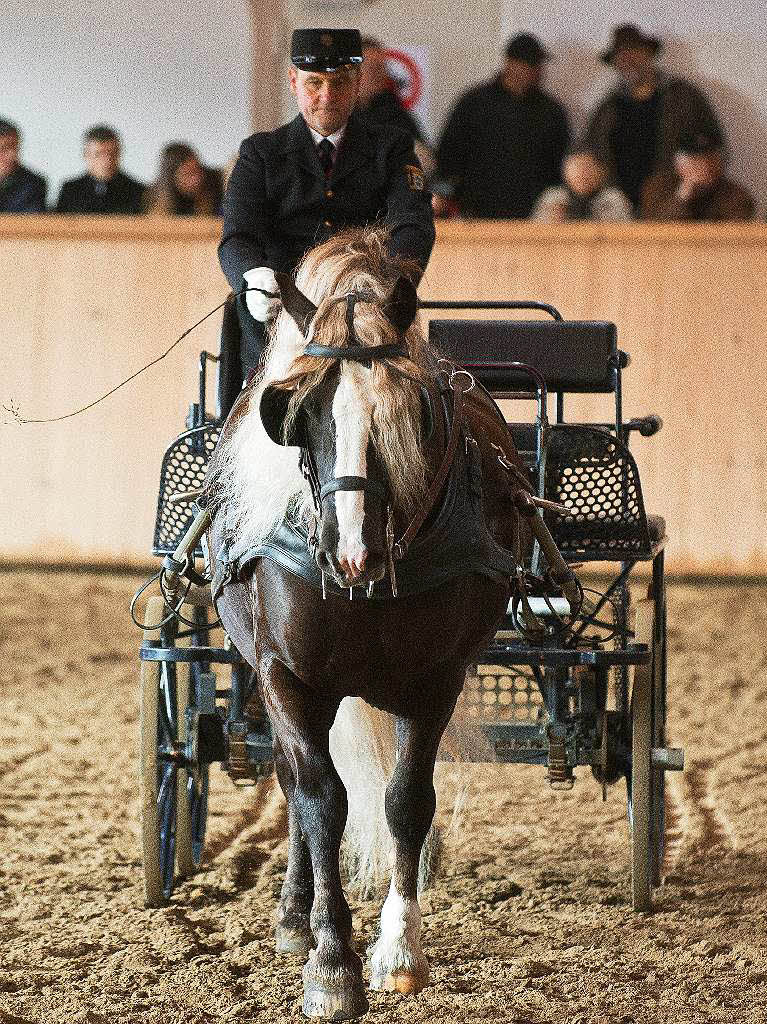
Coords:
184,186
504,141
104,188
696,188
21,190
586,193
635,129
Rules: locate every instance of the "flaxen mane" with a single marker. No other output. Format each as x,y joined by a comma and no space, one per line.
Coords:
258,482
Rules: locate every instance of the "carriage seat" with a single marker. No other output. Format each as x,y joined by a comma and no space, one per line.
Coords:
586,467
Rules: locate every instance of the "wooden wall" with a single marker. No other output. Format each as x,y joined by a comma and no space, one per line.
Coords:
84,302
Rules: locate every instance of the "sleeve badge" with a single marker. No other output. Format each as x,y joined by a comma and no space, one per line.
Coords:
415,178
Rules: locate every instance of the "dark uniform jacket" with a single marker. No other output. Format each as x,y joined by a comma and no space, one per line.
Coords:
499,151
120,195
23,191
278,203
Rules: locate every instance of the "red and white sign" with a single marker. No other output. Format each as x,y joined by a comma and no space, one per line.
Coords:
409,70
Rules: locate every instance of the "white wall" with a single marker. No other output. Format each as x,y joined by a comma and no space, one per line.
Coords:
178,70
181,69
722,52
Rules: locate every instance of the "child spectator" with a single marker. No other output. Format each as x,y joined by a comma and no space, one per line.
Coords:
696,188
184,187
585,195
21,190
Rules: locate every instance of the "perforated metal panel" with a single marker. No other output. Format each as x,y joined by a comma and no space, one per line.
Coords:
494,694
183,471
591,472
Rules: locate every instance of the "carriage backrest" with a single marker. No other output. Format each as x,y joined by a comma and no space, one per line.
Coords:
576,356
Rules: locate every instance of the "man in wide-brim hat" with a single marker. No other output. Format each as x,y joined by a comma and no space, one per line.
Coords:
637,127
294,187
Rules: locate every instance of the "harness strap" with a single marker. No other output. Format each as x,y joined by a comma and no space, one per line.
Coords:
356,353
352,483
400,548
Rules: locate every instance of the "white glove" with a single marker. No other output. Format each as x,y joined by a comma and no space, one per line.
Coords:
260,306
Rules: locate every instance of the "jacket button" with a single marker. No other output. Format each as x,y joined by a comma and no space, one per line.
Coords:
328,223
329,194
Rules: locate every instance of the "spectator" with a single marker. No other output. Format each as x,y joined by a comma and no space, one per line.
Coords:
637,127
696,188
184,186
585,194
504,140
379,101
105,188
21,190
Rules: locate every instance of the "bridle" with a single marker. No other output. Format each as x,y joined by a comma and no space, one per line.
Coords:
367,354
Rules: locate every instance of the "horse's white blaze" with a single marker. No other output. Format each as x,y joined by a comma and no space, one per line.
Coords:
398,949
353,414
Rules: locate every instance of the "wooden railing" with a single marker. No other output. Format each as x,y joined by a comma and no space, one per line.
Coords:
86,301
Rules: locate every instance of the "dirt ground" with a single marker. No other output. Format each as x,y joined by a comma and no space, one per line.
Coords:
530,922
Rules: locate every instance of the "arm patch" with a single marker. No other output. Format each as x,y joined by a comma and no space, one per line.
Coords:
415,178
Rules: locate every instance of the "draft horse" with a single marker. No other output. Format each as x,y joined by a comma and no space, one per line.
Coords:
371,563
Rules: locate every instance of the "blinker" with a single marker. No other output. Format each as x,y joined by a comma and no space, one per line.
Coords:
273,409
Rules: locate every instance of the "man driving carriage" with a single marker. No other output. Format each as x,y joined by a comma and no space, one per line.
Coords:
295,187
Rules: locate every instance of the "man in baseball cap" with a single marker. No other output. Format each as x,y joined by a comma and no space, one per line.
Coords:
696,188
294,187
504,141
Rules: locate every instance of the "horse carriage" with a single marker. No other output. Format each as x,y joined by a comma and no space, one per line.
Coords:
568,677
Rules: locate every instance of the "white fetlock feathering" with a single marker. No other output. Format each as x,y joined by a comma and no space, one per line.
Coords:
398,949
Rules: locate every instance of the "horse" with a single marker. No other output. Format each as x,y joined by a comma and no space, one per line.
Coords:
372,563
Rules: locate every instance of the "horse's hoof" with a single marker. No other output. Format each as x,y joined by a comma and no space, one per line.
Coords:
334,1004
407,983
293,940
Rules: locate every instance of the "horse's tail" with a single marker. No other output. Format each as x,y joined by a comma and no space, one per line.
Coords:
363,746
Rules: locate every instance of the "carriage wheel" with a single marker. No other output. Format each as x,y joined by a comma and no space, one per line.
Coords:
192,786
647,784
159,775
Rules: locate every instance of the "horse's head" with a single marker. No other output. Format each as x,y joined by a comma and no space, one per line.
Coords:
354,402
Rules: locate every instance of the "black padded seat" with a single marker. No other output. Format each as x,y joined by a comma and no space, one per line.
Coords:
572,355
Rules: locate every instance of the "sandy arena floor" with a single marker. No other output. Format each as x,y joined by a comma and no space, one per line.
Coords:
530,922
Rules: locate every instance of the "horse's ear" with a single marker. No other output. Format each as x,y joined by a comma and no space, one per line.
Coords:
274,409
400,308
295,303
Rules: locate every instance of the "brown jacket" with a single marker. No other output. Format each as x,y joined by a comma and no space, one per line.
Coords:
727,200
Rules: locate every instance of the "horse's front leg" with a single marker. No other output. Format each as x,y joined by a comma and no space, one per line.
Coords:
397,962
293,933
301,720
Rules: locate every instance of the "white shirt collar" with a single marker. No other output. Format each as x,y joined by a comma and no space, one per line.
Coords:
335,138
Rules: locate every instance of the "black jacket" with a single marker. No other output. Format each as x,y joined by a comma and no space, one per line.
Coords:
499,151
120,195
23,191
385,108
278,203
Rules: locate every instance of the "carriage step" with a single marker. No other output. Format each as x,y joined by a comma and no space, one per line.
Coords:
671,759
